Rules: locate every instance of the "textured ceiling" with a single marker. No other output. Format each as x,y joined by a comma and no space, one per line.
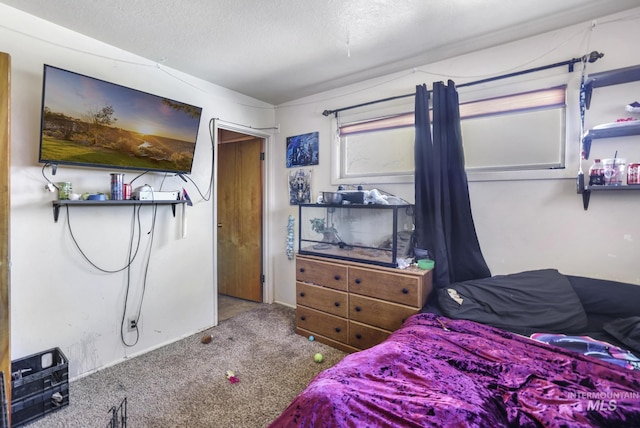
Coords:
281,50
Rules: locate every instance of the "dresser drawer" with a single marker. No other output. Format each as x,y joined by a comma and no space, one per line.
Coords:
322,298
363,336
389,316
321,273
404,289
322,323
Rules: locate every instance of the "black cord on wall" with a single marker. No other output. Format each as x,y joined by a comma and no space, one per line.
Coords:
132,252
138,312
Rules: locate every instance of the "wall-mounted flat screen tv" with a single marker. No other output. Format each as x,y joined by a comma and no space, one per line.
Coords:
92,123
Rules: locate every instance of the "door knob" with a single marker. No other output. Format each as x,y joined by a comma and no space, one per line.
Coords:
219,224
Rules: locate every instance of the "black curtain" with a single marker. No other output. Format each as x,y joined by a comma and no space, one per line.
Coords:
443,219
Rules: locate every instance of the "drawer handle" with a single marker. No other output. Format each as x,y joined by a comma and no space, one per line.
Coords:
303,318
337,304
405,291
358,336
302,294
358,281
301,269
337,277
338,329
358,308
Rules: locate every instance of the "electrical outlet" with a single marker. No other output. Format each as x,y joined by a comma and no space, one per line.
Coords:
132,324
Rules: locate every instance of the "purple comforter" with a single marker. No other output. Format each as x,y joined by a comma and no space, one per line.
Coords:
435,371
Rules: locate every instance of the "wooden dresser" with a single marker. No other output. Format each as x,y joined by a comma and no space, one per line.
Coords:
353,306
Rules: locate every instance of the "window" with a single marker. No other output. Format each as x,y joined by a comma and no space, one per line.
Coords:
516,132
524,131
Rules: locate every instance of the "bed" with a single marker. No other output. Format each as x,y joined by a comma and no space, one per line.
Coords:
469,359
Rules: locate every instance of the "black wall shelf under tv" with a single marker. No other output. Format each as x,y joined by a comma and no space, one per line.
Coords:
85,203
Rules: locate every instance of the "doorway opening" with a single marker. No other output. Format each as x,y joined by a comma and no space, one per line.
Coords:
240,202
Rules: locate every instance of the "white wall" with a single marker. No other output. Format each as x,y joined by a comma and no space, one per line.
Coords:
521,223
57,298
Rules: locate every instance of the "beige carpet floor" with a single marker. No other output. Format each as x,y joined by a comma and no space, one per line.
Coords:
229,307
184,384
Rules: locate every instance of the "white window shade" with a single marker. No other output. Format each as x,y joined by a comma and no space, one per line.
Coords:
547,98
523,131
517,132
393,122
516,141
378,153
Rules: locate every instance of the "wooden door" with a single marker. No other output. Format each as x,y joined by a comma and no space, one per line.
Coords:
240,216
5,328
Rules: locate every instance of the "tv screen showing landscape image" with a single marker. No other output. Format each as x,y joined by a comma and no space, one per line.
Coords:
90,122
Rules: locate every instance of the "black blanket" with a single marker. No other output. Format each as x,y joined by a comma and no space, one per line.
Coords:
549,302
524,303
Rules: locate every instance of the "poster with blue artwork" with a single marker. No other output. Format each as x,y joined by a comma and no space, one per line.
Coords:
302,150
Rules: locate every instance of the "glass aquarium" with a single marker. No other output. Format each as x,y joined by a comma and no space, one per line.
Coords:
375,234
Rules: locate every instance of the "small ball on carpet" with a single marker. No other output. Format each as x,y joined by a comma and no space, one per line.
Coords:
317,358
206,339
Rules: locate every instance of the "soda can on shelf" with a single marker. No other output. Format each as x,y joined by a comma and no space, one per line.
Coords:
633,173
126,191
117,180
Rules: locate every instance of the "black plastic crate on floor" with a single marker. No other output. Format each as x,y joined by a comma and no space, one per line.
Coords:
39,385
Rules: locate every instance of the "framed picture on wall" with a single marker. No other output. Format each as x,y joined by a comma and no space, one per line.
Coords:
302,150
300,187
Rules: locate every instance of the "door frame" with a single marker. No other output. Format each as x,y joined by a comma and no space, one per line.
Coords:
5,227
268,284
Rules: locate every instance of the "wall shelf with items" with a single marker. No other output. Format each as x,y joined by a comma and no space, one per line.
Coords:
586,193
85,203
629,128
611,130
610,78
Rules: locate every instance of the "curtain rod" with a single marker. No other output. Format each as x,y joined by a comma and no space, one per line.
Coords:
592,57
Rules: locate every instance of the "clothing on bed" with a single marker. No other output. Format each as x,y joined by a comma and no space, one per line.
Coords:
588,346
435,371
